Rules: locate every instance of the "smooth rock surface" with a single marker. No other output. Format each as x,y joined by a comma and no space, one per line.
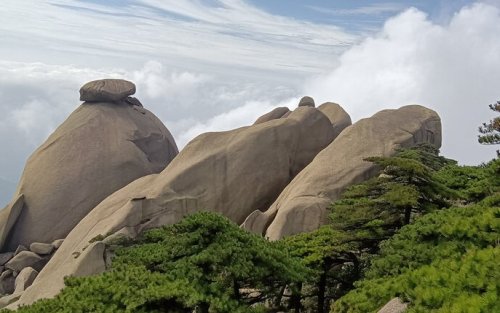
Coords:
302,206
394,306
337,115
41,248
24,279
98,149
106,90
22,260
213,172
274,114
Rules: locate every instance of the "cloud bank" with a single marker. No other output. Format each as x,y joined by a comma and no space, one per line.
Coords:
452,68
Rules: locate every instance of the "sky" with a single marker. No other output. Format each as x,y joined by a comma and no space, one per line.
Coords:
219,64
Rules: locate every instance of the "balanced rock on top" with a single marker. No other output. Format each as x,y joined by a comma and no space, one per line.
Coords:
106,90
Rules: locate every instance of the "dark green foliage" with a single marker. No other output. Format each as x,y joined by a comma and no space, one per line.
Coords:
491,131
407,187
473,183
437,263
204,263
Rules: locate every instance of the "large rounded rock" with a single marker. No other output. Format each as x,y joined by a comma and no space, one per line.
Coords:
106,90
230,172
100,148
302,206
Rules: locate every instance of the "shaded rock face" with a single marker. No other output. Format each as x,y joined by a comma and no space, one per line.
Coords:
100,148
230,172
302,206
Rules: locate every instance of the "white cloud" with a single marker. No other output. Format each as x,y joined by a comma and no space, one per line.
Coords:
453,69
241,116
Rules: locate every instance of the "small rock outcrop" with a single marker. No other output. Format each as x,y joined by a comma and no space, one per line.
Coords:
101,147
21,269
302,206
230,172
307,101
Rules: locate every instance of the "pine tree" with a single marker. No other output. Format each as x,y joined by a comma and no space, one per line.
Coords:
491,131
205,263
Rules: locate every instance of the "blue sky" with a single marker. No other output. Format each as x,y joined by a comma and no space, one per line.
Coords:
219,64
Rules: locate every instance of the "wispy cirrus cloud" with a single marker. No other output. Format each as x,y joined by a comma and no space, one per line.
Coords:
181,33
373,9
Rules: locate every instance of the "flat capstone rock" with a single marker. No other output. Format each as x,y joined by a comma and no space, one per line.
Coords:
106,90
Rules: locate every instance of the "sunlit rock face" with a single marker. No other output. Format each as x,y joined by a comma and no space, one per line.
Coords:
302,206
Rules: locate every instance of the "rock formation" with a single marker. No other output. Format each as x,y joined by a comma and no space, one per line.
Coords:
101,147
302,206
230,172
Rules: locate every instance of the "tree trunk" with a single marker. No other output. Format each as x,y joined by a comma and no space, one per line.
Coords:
321,291
236,290
407,216
203,307
295,299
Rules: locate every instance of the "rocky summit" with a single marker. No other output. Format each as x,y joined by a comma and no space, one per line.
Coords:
98,149
112,170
